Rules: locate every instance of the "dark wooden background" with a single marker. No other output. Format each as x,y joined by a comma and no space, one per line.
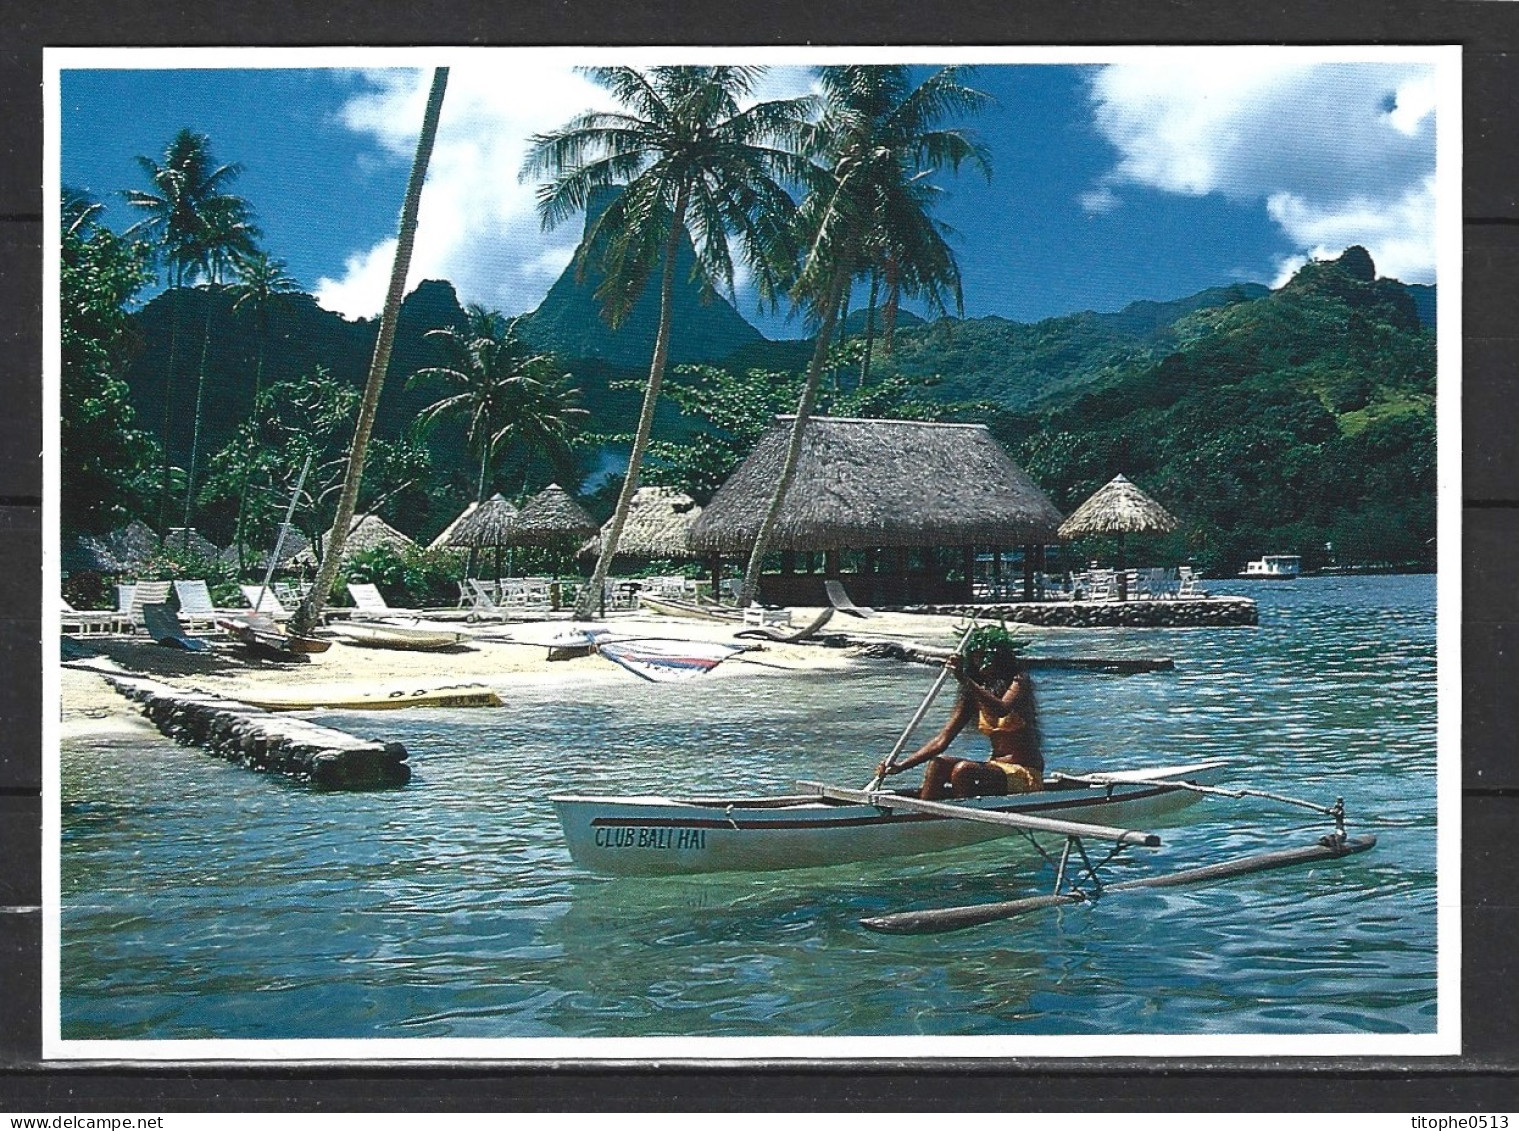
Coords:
1486,1075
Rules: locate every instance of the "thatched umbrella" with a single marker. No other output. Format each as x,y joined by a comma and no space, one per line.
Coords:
441,542
192,541
296,545
128,549
867,483
367,533
658,526
1119,508
490,524
553,520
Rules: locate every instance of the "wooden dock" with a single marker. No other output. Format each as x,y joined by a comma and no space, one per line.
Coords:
261,740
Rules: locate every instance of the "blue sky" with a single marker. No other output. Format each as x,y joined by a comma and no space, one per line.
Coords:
1135,180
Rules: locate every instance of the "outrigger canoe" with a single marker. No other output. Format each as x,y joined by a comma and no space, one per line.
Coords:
414,636
672,836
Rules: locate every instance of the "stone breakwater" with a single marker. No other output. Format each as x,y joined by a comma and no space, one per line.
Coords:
260,740
1204,612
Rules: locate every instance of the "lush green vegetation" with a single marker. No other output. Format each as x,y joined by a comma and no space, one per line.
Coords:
1300,422
1288,421
107,461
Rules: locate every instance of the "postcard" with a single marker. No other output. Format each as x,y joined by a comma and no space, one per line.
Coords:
752,554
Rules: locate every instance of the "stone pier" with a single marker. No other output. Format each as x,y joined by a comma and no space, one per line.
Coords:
261,740
1199,612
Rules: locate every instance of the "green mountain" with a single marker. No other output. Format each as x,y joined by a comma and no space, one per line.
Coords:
1302,421
704,327
1272,419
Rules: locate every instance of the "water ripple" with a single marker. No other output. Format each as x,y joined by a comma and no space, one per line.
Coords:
203,901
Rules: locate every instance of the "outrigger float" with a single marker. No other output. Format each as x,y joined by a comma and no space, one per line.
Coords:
1078,823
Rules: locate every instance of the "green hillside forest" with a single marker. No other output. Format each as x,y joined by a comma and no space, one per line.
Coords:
1295,420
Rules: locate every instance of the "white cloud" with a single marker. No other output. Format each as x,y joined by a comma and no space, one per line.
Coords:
478,225
1338,154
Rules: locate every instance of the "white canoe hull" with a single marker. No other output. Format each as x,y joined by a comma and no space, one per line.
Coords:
407,637
662,836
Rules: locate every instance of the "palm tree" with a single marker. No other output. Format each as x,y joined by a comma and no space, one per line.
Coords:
227,236
310,612
912,260
261,288
881,139
505,392
175,217
691,163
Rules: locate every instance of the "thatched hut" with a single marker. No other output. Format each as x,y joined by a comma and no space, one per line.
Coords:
552,519
367,533
442,541
884,491
488,525
1118,508
126,550
658,527
180,540
295,546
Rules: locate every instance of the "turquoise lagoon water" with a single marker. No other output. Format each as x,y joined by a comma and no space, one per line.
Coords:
200,900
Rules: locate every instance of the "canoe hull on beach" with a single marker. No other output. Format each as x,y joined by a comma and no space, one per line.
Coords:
374,699
406,637
663,836
673,607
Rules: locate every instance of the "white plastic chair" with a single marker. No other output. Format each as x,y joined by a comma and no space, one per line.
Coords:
196,609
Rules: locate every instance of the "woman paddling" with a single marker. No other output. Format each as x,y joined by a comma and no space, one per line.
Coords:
997,694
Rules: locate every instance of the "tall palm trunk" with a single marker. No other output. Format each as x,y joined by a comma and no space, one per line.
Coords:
200,389
588,603
310,612
168,401
798,428
870,327
242,491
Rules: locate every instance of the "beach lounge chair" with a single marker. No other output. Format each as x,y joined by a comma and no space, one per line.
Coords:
839,599
265,601
764,617
162,623
482,602
1187,585
77,623
196,609
765,632
143,593
370,603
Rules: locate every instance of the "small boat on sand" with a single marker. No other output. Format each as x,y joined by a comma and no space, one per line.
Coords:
340,698
414,636
674,607
260,634
671,836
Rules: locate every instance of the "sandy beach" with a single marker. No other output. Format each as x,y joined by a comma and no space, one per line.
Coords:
498,656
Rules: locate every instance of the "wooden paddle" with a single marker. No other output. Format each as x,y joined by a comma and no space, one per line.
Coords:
912,725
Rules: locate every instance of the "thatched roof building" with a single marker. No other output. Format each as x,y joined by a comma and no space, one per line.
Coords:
193,541
552,518
125,550
658,526
864,484
294,546
367,533
490,524
1119,507
441,542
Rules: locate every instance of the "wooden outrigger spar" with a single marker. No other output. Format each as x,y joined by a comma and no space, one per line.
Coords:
1330,847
